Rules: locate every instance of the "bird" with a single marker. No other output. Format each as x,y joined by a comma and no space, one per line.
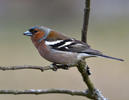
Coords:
60,49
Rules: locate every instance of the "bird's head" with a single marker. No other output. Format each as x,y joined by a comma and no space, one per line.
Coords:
38,33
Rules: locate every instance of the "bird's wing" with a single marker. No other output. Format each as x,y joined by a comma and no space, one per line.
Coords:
71,45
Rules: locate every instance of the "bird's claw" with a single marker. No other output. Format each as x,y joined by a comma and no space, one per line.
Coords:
66,67
54,67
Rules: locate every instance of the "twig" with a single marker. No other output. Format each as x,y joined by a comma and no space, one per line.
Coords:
41,68
83,70
47,91
85,21
82,64
50,91
6,68
95,93
92,93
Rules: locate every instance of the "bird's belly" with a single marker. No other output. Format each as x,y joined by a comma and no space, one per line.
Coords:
60,57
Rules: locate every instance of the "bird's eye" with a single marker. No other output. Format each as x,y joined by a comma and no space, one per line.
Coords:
35,31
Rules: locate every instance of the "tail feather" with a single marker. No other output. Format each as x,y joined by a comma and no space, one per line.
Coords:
105,56
102,55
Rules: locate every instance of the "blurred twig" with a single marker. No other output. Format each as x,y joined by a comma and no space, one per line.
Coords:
85,21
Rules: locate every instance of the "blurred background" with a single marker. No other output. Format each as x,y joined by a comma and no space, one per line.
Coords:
108,32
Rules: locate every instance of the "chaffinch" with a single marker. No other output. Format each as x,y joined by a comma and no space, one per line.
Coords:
60,49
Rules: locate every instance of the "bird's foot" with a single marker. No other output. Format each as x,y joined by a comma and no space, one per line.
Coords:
54,67
65,67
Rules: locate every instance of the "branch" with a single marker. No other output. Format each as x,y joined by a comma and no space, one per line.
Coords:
49,91
41,68
91,93
82,68
95,93
24,67
46,91
85,21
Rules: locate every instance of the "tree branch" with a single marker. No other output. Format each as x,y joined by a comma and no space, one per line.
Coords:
85,21
91,93
47,91
95,93
50,91
82,68
41,68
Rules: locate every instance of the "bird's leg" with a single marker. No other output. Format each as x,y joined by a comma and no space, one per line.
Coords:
66,67
61,66
88,70
55,66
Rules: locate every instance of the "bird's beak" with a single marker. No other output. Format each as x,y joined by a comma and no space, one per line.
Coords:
27,33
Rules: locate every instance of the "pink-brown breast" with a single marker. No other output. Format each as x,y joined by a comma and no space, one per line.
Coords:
58,57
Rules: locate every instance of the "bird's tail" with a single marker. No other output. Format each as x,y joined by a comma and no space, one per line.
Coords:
105,56
99,54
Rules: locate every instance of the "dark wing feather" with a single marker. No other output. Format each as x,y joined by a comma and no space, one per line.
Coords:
73,45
